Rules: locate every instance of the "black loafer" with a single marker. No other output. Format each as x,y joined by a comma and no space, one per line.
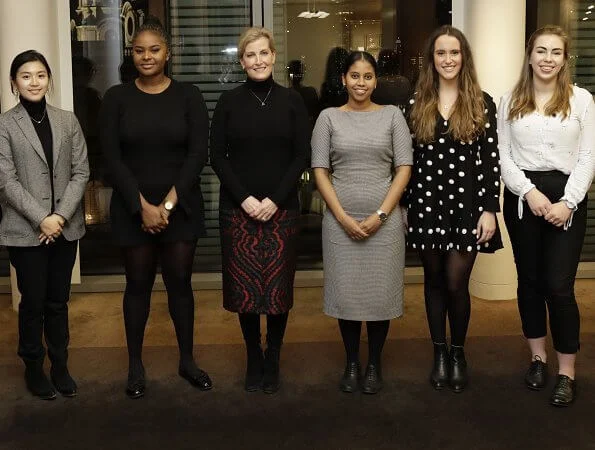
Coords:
564,392
372,383
536,376
350,380
135,390
197,378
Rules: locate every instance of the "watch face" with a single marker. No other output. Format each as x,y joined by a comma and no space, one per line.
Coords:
382,215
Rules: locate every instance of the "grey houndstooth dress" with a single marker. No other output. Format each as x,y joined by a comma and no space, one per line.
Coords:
363,280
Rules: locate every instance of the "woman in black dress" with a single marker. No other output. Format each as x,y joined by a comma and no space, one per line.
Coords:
454,192
43,175
154,138
259,149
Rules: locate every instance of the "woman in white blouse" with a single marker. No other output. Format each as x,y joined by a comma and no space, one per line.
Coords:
546,136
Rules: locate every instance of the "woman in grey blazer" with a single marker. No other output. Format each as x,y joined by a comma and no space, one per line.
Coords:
43,174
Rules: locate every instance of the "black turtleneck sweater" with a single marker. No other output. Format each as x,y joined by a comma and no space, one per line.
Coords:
260,150
41,122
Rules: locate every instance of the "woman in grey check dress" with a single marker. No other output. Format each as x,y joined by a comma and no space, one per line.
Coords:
366,151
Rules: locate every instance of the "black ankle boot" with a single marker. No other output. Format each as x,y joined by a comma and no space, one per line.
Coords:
439,374
457,374
62,381
271,380
37,381
254,368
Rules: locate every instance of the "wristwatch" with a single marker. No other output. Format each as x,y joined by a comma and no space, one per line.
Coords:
382,216
169,206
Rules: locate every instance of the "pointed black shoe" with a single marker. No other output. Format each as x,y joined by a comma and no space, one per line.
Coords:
372,383
63,382
37,381
254,369
135,387
196,377
351,375
536,376
439,374
271,381
564,392
457,374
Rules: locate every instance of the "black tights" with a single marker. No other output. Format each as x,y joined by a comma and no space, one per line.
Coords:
140,264
250,324
446,290
377,332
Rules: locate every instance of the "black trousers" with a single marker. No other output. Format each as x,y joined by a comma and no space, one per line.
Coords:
546,259
43,277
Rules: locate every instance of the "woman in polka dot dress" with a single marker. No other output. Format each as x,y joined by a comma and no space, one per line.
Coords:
453,195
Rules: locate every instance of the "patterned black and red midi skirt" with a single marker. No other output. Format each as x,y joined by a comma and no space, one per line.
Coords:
258,261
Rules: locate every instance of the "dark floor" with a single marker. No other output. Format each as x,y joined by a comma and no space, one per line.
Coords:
495,412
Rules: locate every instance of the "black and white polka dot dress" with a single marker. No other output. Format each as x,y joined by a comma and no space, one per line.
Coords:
452,183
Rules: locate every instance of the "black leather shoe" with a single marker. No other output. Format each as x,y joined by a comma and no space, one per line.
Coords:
197,378
63,382
536,376
254,370
439,374
271,380
372,383
135,388
351,375
457,374
37,381
564,392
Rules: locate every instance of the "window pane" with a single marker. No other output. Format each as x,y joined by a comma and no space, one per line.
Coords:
311,45
577,17
204,38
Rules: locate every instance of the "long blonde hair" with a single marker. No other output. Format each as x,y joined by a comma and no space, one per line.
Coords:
468,118
523,97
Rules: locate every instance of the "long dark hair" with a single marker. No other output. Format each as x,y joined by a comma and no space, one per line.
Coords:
468,118
26,57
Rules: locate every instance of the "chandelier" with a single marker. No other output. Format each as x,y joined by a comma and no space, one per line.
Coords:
314,14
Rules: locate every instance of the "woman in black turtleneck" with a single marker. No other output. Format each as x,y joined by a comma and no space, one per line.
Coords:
259,148
43,174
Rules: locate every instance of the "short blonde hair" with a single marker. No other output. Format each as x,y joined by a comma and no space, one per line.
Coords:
253,34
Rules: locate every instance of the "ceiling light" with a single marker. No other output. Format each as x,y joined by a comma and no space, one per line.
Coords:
314,14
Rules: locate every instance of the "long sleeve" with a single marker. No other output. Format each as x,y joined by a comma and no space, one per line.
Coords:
198,139
219,159
513,177
120,175
489,168
75,189
11,189
581,176
301,139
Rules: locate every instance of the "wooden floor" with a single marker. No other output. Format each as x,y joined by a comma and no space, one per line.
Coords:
96,319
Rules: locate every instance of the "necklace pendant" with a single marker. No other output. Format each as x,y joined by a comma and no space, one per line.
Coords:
263,104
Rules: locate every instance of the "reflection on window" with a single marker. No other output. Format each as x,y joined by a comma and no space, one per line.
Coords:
311,48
